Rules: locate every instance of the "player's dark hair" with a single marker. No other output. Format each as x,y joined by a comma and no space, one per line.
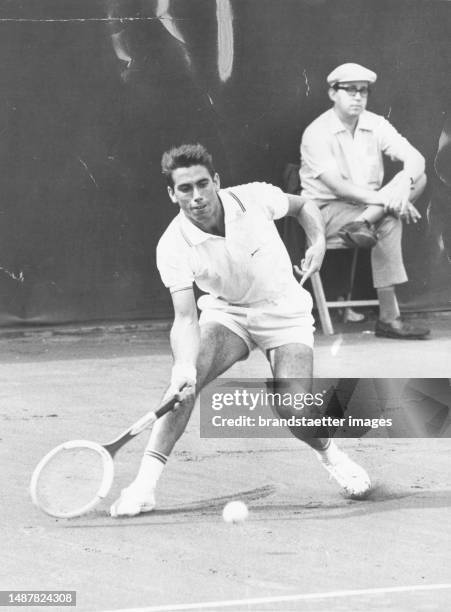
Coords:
184,156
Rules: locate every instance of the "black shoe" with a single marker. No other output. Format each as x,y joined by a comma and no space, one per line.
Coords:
399,329
358,234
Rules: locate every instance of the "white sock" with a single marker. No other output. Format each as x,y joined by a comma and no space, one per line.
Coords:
150,470
329,454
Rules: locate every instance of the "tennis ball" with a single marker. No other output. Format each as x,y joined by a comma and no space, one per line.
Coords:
235,512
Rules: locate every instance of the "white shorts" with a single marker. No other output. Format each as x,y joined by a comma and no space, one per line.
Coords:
266,324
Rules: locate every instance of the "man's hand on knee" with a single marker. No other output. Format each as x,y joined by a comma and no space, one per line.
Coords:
397,194
410,213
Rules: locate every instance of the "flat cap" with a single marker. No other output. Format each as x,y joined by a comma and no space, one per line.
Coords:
351,72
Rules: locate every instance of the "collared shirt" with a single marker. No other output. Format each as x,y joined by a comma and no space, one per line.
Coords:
328,146
248,265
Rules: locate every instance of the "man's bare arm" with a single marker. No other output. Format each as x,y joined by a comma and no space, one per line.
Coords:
185,339
348,191
391,199
310,219
399,188
414,163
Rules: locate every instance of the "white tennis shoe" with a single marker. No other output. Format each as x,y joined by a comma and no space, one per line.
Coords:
132,502
352,478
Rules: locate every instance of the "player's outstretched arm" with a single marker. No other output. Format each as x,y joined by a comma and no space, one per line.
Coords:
185,340
309,217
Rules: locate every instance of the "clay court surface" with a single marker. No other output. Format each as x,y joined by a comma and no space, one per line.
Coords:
304,547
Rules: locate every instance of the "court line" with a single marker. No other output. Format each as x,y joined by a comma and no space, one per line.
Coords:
285,598
79,19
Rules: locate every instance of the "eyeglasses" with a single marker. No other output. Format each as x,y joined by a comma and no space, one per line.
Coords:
352,90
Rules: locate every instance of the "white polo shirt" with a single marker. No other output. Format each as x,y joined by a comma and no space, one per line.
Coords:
248,265
328,146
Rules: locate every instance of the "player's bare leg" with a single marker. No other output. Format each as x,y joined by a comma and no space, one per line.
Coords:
294,362
220,348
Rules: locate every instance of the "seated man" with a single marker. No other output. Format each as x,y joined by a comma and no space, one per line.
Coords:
225,241
342,170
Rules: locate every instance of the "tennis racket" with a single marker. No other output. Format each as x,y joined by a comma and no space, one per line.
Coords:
76,475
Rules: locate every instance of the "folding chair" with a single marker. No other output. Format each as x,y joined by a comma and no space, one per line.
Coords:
291,184
323,305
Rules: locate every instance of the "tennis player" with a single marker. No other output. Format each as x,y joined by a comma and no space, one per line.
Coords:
225,241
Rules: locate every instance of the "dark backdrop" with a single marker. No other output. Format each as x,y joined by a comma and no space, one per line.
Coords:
93,91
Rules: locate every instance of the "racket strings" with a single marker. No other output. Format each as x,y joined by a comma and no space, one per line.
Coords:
70,480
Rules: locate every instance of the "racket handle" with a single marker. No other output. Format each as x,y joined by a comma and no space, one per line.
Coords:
151,417
139,426
166,407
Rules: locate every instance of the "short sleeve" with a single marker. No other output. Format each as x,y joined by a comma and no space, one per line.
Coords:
391,142
269,197
316,154
173,263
